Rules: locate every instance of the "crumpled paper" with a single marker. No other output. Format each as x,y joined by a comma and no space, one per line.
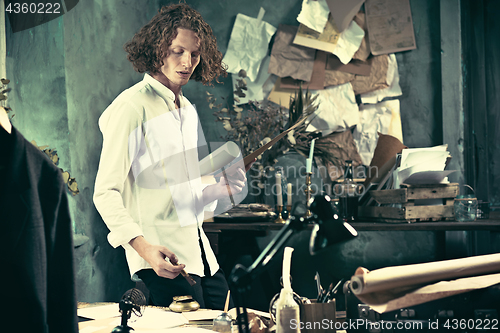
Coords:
377,79
337,110
248,45
314,14
393,90
382,117
288,59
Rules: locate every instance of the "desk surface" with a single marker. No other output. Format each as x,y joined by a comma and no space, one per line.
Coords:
490,224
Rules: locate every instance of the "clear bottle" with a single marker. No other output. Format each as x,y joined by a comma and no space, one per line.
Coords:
287,310
348,200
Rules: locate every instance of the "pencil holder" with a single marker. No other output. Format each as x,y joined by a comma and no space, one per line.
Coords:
318,317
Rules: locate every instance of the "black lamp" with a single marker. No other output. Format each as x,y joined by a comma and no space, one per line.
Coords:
329,229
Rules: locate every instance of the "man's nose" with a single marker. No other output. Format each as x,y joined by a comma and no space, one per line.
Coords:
186,60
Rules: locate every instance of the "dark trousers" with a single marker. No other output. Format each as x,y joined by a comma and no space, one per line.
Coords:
209,291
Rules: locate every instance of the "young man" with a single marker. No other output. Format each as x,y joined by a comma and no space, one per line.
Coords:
148,188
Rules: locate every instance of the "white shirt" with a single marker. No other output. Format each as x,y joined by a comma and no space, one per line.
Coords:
148,182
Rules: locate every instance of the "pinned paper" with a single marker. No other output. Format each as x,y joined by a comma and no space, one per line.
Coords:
382,118
288,59
314,14
343,44
393,90
337,110
317,79
390,26
248,44
343,11
377,79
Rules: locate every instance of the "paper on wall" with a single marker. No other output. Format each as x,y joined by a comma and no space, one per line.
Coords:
314,14
343,11
393,90
254,91
390,26
382,118
337,110
317,78
248,44
343,44
376,80
288,59
364,49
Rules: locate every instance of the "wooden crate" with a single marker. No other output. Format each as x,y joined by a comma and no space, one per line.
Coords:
409,208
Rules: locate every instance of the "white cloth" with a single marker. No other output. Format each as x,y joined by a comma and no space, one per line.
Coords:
148,182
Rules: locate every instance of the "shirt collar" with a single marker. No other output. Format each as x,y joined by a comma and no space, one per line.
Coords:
160,89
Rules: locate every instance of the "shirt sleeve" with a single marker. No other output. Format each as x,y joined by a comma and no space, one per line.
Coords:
118,123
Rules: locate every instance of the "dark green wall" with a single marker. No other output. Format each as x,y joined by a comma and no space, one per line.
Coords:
66,72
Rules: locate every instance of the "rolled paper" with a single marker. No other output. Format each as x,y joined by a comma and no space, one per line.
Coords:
311,150
289,194
308,165
279,195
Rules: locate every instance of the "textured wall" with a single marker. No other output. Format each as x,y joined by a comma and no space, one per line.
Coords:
64,74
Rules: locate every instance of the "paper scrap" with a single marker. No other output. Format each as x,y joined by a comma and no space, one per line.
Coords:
343,11
342,44
288,59
354,66
317,78
248,45
314,14
337,110
377,78
364,49
382,118
393,90
201,314
390,26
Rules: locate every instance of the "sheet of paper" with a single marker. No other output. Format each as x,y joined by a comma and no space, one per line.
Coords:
390,26
317,79
201,314
364,49
382,118
288,59
343,44
281,96
428,177
314,14
153,318
343,11
100,311
248,45
254,89
412,156
393,90
337,110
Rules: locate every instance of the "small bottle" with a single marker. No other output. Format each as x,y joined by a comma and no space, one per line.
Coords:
348,201
287,310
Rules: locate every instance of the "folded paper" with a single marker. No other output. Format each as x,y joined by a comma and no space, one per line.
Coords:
314,14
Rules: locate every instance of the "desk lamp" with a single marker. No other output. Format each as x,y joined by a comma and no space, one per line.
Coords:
328,229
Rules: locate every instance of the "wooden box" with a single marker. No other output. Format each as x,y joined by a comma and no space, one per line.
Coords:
412,204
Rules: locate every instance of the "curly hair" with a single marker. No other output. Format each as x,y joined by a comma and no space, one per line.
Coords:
147,49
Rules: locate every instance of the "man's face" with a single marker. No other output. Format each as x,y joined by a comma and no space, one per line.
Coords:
182,57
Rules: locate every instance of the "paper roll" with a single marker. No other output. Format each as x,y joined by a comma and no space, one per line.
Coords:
221,157
408,276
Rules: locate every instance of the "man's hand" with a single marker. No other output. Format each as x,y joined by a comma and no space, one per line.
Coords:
156,256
